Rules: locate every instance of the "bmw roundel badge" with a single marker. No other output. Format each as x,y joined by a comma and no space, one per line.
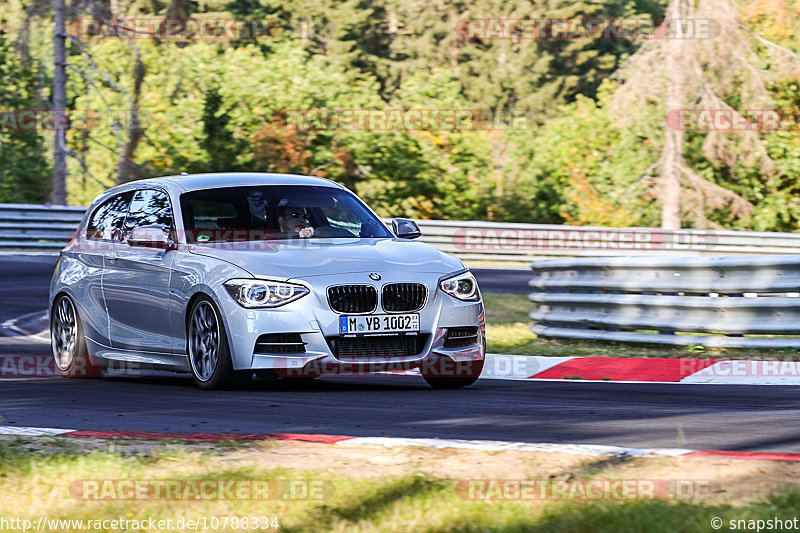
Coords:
374,276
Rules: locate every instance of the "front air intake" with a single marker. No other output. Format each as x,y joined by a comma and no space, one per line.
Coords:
280,343
399,297
460,337
377,346
353,298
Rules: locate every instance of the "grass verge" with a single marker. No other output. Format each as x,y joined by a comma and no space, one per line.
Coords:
508,331
38,484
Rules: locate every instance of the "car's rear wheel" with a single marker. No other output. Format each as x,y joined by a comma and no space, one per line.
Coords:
209,352
68,342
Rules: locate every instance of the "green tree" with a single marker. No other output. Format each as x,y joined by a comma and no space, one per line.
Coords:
24,170
219,143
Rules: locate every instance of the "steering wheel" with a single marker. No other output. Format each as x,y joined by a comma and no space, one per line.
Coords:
330,231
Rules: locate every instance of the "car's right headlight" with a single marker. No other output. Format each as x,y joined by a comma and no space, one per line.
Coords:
463,286
258,293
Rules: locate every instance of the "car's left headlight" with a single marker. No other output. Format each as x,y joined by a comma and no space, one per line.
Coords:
463,286
255,293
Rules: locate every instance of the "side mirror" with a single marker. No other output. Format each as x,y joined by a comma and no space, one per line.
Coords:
405,228
149,237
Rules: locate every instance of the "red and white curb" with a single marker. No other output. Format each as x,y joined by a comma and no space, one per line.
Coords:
527,367
638,370
344,440
642,370
748,371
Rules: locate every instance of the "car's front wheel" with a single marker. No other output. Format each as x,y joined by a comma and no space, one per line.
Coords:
209,352
68,343
449,383
449,375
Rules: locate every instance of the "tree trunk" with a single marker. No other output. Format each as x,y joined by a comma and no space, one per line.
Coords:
128,168
177,10
672,157
59,194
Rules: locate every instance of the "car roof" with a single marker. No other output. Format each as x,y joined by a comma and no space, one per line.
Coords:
194,182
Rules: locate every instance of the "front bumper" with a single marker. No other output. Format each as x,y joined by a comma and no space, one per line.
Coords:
312,318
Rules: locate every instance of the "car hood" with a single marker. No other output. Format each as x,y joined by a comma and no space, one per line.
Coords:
303,258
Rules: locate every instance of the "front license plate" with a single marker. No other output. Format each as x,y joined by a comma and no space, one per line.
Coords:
379,323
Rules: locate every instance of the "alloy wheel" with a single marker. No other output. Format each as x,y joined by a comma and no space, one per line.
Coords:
64,332
204,340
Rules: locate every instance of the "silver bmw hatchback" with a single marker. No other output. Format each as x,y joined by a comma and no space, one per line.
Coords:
230,275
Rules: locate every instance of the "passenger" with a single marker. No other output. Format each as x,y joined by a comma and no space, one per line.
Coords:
257,201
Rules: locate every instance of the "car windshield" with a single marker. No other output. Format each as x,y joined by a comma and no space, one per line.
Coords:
276,212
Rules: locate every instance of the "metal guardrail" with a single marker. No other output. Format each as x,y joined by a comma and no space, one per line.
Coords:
37,227
503,241
709,301
42,227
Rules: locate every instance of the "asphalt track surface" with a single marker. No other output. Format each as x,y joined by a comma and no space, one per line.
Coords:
725,417
24,284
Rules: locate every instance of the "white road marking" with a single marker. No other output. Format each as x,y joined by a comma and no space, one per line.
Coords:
12,325
32,432
491,445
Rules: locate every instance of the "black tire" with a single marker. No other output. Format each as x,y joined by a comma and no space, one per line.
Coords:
299,379
302,375
434,373
273,377
450,383
68,343
267,375
211,367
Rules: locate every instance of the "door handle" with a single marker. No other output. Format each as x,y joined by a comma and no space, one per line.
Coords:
112,256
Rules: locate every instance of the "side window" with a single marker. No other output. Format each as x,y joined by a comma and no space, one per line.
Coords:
149,207
209,213
107,221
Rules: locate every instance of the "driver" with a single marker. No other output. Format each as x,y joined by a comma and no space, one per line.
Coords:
294,219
